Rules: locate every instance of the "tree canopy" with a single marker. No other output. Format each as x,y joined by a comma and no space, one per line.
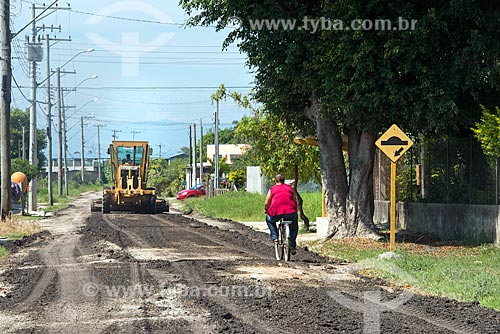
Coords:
274,150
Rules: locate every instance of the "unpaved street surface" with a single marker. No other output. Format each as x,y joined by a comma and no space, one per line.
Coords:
166,273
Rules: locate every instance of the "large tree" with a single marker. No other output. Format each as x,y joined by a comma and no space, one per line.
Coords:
18,120
355,82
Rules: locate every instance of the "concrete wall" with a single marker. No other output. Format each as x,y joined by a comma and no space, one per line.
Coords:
470,223
255,180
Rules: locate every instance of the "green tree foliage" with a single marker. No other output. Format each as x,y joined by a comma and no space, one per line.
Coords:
487,131
18,120
20,165
274,150
167,178
428,80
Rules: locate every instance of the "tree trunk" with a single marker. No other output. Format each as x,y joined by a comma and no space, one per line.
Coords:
349,206
333,171
360,205
300,202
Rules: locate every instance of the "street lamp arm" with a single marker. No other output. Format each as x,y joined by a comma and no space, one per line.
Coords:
94,100
95,76
76,55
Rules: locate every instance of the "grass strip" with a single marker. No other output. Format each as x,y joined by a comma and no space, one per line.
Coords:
246,207
465,273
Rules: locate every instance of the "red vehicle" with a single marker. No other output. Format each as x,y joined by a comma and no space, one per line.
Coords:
195,191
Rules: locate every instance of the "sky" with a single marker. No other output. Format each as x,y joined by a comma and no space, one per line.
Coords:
154,76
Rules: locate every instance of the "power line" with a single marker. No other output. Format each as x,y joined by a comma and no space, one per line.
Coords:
143,88
200,62
164,58
142,20
158,46
142,102
19,88
158,52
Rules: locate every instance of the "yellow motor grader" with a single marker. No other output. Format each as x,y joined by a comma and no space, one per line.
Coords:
129,162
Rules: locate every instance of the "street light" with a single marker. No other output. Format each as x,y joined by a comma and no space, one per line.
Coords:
32,197
61,131
66,63
77,110
66,140
88,116
95,76
60,118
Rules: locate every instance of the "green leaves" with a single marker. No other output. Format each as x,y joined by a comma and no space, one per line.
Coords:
273,147
487,131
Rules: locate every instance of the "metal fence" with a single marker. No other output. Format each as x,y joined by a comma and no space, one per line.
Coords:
451,170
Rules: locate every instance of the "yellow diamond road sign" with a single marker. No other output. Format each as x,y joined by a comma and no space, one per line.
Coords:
394,143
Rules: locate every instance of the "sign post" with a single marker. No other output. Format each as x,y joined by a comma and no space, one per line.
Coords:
394,143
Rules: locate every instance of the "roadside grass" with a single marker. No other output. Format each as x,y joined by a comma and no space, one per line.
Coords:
62,202
245,207
14,228
465,273
237,206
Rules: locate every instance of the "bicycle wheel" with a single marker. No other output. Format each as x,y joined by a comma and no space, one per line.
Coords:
286,243
278,247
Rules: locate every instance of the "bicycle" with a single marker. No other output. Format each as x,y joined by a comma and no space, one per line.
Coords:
282,247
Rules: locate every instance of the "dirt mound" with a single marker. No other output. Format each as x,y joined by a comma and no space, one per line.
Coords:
247,237
13,246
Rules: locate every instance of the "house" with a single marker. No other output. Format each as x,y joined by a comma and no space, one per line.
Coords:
229,151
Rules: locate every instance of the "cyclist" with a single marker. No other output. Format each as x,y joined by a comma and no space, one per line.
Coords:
281,203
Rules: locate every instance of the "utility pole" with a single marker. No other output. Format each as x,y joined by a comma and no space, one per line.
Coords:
60,122
134,133
115,137
99,126
5,191
65,149
216,140
59,135
82,155
49,119
23,153
83,149
32,199
201,150
159,155
190,155
193,173
49,126
34,56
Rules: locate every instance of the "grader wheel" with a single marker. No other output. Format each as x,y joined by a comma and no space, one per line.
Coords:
106,203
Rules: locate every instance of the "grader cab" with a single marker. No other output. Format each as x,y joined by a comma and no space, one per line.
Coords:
129,162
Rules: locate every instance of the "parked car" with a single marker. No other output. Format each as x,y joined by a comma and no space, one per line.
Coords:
195,191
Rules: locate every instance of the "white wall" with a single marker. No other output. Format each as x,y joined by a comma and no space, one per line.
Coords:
255,180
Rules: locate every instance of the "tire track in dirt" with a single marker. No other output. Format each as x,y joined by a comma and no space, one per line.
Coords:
184,266
70,302
407,316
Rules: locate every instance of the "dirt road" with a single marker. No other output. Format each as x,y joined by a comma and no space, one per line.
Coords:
131,273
